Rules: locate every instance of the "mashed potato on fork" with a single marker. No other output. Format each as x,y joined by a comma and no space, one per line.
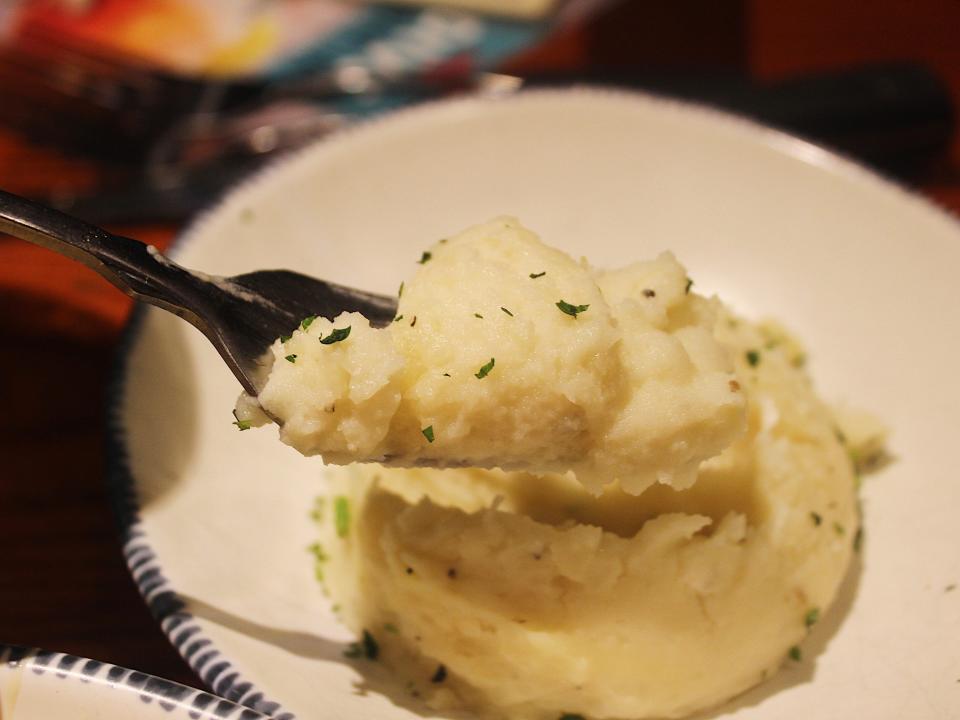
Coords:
507,353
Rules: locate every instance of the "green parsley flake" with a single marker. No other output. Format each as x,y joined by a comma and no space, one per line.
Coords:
425,258
391,628
440,675
686,290
795,654
839,529
810,619
285,339
291,358
398,318
753,357
506,311
307,322
341,515
370,647
428,433
316,549
400,291
858,540
816,517
478,315
571,310
485,370
241,424
534,276
336,336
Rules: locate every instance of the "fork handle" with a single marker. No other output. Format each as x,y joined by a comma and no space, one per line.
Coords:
139,270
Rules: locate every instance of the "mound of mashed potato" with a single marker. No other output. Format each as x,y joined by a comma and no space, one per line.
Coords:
525,596
506,353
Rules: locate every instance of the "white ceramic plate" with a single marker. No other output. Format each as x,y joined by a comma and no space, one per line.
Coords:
864,272
43,685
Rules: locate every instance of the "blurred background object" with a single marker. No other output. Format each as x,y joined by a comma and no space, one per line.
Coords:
140,112
178,100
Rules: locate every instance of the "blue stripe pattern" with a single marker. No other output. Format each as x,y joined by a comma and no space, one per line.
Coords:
170,696
180,626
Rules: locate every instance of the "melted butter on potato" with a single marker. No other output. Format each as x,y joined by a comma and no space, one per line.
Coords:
508,354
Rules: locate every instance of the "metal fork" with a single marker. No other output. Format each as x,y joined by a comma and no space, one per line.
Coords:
241,315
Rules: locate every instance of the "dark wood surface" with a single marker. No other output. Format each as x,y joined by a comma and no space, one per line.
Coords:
63,583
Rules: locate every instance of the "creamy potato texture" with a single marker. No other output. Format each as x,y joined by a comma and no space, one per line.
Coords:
531,598
507,353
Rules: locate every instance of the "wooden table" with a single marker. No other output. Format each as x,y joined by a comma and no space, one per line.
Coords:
63,583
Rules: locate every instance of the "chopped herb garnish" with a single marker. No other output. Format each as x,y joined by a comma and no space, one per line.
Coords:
534,276
506,311
307,322
391,628
425,258
810,619
291,358
571,310
648,293
816,517
478,315
341,515
414,321
753,357
428,433
370,647
446,374
336,336
799,361
795,653
241,424
440,675
400,291
858,539
398,318
316,549
686,290
485,370
318,505
839,529
840,436
285,339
